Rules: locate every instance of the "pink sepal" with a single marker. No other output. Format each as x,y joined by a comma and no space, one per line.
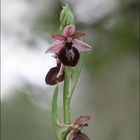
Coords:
77,35
55,47
68,30
59,37
81,46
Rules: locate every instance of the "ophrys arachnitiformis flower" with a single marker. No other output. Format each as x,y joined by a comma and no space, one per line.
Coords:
68,47
76,128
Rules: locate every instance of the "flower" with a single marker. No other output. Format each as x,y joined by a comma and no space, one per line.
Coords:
55,75
76,133
76,127
80,123
68,47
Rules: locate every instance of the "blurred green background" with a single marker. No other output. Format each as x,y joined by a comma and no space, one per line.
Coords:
109,83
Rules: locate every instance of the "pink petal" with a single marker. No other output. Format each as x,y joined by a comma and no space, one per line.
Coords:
81,46
59,37
82,120
77,35
55,47
68,30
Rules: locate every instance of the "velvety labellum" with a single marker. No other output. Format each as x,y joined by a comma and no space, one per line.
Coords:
69,55
78,136
51,77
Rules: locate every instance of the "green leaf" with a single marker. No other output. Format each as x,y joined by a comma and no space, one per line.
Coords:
75,75
55,113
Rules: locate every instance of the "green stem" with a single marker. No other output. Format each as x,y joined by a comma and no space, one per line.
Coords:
66,98
66,110
66,102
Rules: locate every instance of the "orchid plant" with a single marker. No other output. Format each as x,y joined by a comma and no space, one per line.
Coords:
67,50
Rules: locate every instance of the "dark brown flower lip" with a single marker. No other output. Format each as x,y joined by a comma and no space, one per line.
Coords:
69,57
51,77
78,136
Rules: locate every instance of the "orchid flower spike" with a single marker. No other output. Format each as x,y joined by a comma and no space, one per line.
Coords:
68,47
